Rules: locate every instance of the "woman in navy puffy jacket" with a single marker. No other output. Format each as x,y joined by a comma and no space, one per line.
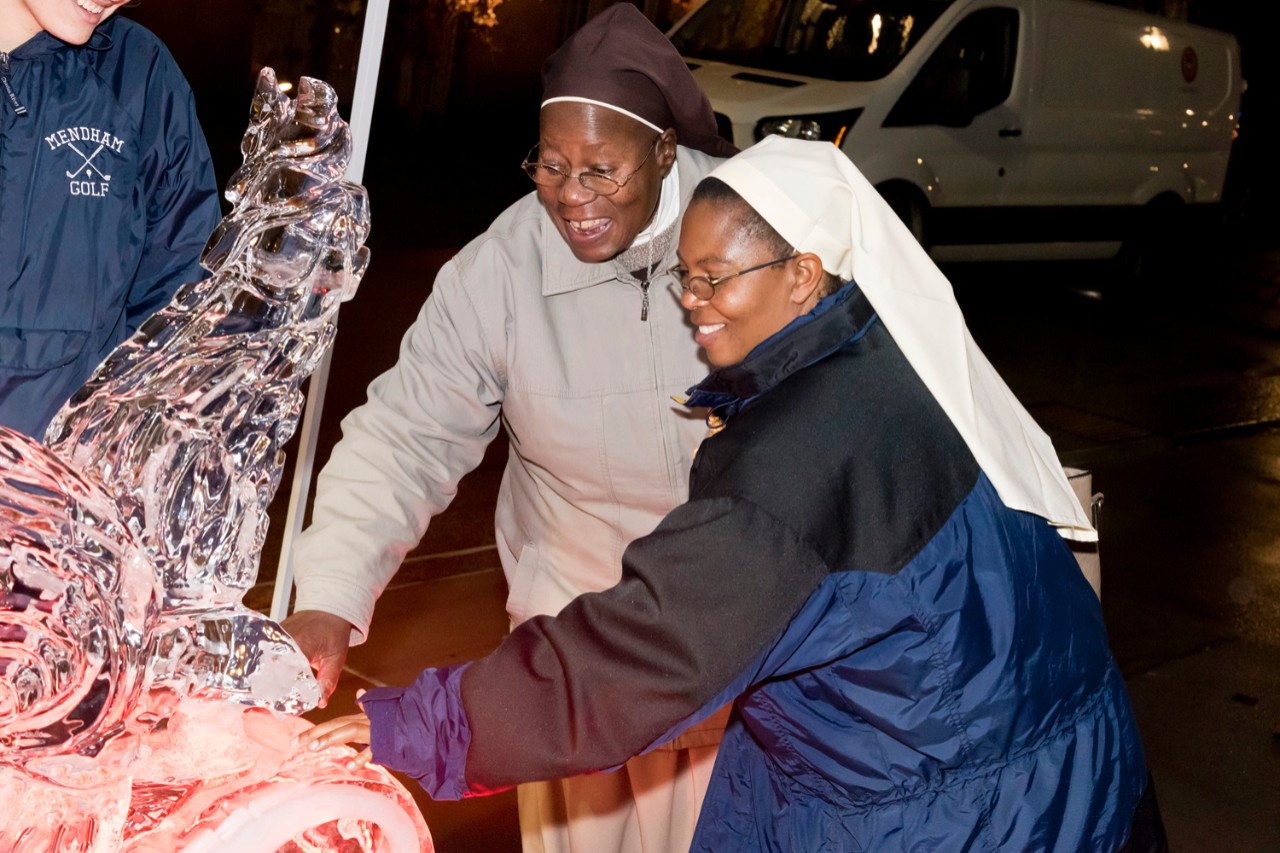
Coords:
107,194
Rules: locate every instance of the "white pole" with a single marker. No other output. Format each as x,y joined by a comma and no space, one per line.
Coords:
375,27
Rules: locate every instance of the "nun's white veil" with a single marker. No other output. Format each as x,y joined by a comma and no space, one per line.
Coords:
816,199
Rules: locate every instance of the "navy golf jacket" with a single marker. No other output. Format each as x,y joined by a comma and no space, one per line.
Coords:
107,196
913,665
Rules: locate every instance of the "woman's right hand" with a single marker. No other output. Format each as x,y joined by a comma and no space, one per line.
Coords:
324,638
351,729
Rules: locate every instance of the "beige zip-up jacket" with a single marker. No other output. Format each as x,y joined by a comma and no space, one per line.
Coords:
517,331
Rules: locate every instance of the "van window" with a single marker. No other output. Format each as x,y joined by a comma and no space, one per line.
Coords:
831,39
968,74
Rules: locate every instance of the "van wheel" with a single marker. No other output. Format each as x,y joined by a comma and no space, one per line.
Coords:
911,207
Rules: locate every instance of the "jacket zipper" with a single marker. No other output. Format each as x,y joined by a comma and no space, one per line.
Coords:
665,427
8,89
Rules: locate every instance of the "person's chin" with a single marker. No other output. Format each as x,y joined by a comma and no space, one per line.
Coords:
76,24
716,346
74,34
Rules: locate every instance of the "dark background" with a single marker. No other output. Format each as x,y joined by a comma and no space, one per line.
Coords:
457,99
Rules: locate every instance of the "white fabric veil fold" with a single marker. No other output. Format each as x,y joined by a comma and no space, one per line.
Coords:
819,202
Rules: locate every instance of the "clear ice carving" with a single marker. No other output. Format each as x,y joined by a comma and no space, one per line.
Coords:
143,707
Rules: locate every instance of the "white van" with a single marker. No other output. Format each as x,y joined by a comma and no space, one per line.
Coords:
998,129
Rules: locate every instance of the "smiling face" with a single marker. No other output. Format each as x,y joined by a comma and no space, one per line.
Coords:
576,138
746,309
72,21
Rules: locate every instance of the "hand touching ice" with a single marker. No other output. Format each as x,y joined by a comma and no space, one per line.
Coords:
351,729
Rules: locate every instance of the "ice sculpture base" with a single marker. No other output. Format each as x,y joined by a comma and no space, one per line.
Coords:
212,777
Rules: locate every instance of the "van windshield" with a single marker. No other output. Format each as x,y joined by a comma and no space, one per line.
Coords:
831,39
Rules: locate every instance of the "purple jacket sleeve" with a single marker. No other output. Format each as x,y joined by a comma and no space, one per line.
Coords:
422,731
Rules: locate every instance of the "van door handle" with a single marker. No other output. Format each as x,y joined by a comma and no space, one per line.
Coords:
1010,131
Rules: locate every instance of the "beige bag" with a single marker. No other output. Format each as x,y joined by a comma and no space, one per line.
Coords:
1087,552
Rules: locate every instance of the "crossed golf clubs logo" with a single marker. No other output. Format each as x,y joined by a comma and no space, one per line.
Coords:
88,162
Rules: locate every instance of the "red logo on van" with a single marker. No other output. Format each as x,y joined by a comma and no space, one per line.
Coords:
1190,64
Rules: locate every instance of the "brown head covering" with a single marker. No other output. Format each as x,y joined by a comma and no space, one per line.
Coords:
620,60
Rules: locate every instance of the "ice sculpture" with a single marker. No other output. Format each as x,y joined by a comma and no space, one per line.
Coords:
143,707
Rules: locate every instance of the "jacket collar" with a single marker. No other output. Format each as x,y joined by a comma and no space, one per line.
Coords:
40,44
564,273
43,44
835,322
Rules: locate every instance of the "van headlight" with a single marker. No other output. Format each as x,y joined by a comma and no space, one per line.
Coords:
831,127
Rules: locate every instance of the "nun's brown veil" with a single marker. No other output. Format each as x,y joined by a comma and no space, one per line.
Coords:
620,60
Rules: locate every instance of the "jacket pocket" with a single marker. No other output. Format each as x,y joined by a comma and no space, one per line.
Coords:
38,350
520,596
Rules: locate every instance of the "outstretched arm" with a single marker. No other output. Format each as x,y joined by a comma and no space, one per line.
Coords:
426,424
615,673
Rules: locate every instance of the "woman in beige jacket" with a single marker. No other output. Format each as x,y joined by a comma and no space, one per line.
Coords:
547,324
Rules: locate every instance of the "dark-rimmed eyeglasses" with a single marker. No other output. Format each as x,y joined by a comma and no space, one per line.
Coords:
704,286
546,175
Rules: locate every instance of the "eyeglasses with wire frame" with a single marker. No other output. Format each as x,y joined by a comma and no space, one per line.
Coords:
546,175
704,286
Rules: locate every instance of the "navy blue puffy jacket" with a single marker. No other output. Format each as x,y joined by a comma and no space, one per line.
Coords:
107,196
